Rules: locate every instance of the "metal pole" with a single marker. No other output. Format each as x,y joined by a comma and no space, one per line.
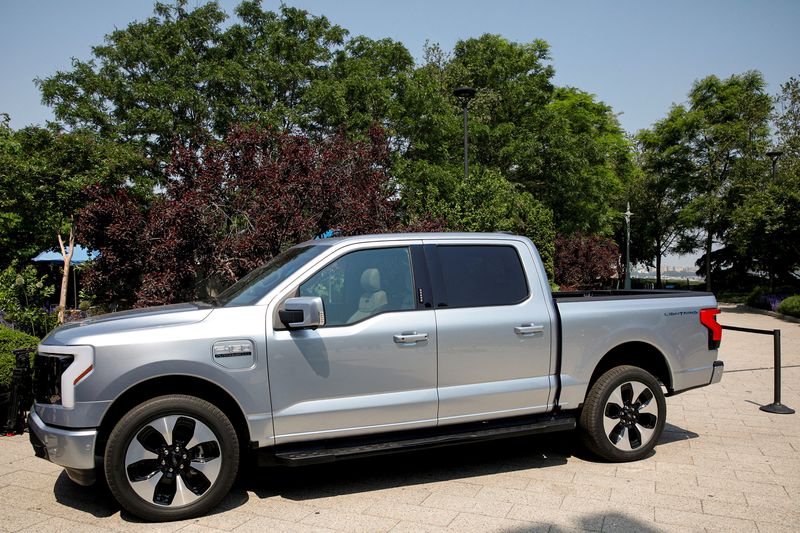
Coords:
776,348
465,94
628,247
466,144
628,256
776,406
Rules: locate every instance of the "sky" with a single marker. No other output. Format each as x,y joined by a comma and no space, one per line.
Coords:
639,57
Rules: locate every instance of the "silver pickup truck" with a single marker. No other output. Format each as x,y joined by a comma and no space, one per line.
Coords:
350,346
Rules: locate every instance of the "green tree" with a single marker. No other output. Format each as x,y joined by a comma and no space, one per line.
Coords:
44,173
727,144
181,75
662,190
787,126
486,201
560,144
766,222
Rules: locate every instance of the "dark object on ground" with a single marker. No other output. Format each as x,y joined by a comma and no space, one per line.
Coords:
20,394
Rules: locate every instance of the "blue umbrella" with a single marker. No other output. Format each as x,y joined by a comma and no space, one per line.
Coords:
81,255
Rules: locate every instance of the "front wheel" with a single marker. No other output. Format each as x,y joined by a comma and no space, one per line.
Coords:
623,415
171,458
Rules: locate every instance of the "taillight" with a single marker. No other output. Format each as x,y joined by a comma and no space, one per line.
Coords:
708,317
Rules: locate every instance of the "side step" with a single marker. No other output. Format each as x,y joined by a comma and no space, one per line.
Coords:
338,450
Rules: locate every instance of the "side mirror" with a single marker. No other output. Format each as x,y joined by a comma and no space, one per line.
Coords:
306,312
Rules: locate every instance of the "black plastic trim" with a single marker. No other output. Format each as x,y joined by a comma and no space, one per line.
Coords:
39,449
422,278
352,448
621,294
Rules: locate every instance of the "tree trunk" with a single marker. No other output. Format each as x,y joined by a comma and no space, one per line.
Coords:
658,263
658,271
771,277
62,301
709,242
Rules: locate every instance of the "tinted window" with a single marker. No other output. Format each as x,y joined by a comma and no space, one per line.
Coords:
476,276
362,284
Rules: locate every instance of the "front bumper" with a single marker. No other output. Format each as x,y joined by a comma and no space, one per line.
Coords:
716,373
70,448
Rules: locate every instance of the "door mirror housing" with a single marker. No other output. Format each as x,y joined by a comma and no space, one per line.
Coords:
306,312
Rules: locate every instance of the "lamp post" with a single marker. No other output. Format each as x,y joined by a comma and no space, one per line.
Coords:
774,155
628,215
465,94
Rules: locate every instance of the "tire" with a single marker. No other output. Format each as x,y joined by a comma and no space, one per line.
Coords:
623,415
171,458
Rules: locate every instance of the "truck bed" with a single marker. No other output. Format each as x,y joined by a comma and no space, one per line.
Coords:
662,324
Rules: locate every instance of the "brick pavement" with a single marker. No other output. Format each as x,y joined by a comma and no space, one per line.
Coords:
721,465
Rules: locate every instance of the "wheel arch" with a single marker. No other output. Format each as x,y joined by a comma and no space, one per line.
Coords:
639,354
172,384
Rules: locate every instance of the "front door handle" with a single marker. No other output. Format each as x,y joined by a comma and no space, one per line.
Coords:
528,329
410,338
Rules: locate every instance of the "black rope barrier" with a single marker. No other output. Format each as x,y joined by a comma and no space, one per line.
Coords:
776,406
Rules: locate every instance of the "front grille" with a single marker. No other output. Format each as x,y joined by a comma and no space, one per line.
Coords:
47,372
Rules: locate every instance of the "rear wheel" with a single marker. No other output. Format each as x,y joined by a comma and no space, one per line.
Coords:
171,458
624,414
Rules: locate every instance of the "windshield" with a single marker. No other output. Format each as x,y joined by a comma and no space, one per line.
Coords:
255,285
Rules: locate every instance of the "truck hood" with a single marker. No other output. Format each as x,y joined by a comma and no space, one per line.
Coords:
148,317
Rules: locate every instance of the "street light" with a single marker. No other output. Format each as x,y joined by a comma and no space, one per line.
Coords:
465,94
774,155
628,215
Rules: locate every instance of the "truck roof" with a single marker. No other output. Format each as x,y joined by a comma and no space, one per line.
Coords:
405,236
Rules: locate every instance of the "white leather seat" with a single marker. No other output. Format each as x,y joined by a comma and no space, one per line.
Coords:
373,299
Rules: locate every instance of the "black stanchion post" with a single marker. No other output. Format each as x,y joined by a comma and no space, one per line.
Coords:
776,406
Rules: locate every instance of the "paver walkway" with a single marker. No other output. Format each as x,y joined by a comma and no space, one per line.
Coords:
721,465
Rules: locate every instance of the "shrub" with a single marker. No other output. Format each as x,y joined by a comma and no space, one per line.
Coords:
12,340
23,300
757,297
762,298
790,306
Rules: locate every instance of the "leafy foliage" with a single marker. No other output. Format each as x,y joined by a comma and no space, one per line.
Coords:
661,190
726,142
189,74
24,296
192,74
560,144
762,297
231,207
44,173
790,306
544,158
11,340
585,261
485,201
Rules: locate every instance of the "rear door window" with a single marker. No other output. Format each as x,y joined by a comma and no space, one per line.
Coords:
480,276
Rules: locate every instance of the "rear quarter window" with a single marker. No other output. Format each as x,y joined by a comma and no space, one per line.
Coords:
482,275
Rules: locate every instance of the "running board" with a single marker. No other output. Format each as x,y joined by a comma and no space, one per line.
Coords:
333,450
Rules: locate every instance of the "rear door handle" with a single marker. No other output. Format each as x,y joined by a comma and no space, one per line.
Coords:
410,338
528,329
